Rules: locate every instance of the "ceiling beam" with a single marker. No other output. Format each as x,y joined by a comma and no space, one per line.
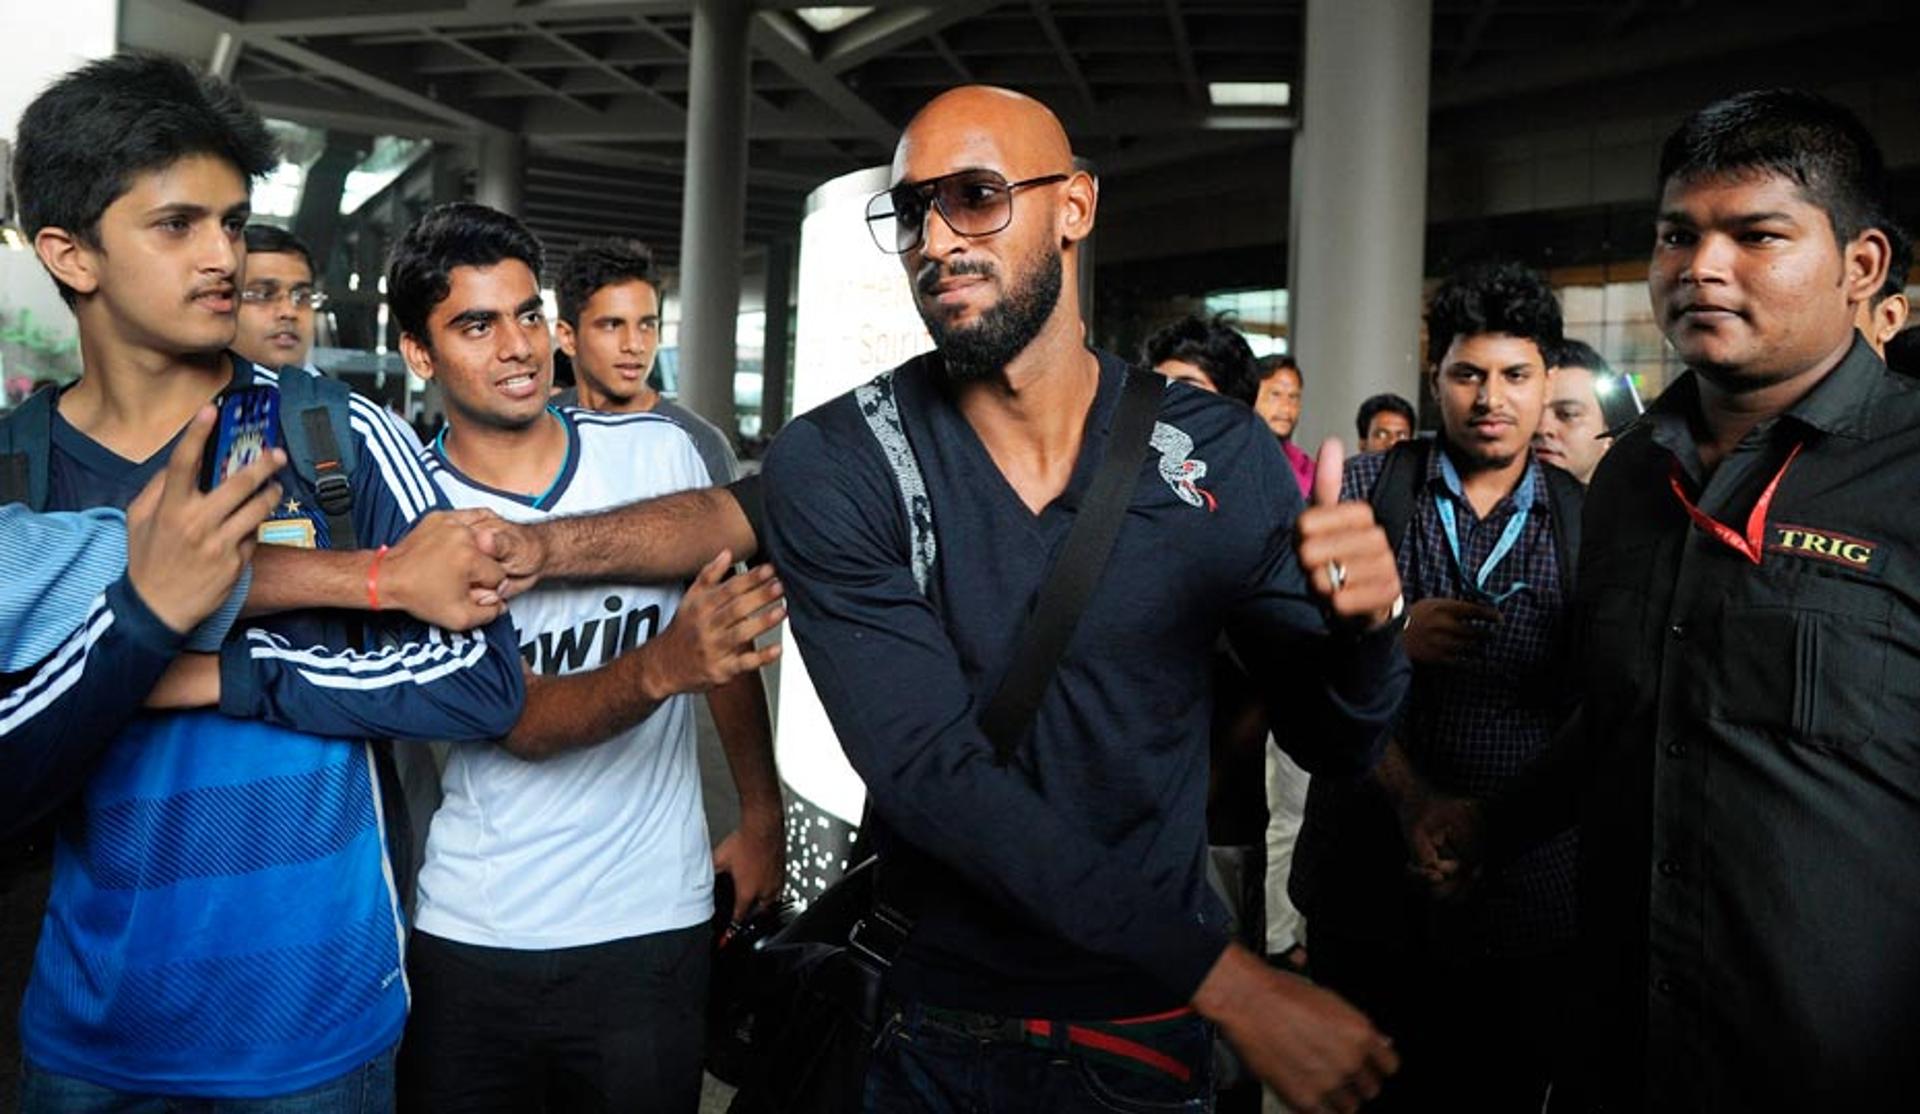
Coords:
1043,11
328,65
302,18
1680,39
628,118
1183,53
959,68
885,31
617,209
327,112
618,159
1470,41
780,42
618,75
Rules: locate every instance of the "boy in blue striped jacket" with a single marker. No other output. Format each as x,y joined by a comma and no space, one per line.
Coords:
223,923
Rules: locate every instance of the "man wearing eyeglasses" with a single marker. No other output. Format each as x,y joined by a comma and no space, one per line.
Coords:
1472,991
279,301
1066,954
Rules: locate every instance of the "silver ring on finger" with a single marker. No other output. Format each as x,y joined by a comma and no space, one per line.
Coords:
1337,574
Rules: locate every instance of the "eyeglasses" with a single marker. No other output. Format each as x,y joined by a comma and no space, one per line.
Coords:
972,202
300,297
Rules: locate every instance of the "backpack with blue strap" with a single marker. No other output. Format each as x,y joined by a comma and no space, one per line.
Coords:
317,433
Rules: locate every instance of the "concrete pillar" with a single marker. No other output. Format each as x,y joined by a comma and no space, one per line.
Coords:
1359,207
773,380
502,179
317,218
714,212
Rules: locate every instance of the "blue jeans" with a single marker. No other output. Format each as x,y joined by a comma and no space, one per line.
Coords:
367,1089
936,1062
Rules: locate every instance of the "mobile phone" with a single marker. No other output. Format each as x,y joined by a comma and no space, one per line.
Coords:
249,425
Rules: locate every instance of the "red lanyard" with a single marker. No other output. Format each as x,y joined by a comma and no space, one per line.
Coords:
1749,546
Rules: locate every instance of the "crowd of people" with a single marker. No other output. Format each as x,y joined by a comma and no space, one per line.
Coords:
1559,757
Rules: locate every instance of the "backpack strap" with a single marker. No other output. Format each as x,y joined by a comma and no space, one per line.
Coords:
1397,492
26,440
315,425
1567,499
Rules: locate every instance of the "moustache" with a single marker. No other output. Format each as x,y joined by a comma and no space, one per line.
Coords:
933,270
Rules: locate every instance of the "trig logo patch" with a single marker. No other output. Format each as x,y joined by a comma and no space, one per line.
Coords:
1826,545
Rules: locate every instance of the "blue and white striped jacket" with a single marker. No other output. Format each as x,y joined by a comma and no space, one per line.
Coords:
223,922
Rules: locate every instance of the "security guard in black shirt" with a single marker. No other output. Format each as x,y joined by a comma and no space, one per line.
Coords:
1746,767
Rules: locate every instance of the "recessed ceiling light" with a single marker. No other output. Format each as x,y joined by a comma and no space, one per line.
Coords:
1264,94
827,20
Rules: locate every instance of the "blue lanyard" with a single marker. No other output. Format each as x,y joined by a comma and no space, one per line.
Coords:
1509,537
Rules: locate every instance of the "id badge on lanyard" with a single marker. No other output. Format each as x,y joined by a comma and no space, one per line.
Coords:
1509,536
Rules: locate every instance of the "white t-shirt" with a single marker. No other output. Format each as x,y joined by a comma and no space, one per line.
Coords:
605,842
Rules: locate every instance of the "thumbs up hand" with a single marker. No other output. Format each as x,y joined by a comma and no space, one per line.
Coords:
1343,551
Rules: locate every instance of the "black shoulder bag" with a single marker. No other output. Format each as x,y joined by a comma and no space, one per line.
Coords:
809,1036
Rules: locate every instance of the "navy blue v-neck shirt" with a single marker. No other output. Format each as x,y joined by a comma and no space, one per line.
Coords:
1072,883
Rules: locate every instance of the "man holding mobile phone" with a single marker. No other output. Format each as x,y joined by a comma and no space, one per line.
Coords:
229,848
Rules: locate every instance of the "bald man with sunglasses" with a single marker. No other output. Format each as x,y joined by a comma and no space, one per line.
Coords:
1066,954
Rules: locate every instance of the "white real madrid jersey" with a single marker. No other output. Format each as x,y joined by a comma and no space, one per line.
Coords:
608,841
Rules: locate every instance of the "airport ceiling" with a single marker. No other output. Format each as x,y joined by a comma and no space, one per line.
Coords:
599,87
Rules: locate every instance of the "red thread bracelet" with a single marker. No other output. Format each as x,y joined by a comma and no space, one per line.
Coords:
373,579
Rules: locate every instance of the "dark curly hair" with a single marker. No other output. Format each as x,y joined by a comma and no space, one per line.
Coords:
600,264
1215,347
83,139
459,234
1493,298
1801,136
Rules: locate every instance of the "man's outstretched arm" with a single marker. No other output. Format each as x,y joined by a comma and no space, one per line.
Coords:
409,680
653,541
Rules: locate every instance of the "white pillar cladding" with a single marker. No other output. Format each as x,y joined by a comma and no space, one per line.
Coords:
1359,207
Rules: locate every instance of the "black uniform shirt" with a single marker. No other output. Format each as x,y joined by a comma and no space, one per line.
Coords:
1746,768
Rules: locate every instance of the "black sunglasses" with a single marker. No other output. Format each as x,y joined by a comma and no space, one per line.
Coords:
972,202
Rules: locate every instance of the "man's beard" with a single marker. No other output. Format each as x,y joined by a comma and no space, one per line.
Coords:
982,350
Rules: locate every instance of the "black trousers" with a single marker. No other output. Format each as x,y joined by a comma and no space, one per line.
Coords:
619,1026
1481,1034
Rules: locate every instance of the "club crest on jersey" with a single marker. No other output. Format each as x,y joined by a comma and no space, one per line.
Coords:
1180,468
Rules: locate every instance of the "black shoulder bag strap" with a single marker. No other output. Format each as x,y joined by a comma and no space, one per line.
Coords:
1567,499
1076,572
1008,717
1397,492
